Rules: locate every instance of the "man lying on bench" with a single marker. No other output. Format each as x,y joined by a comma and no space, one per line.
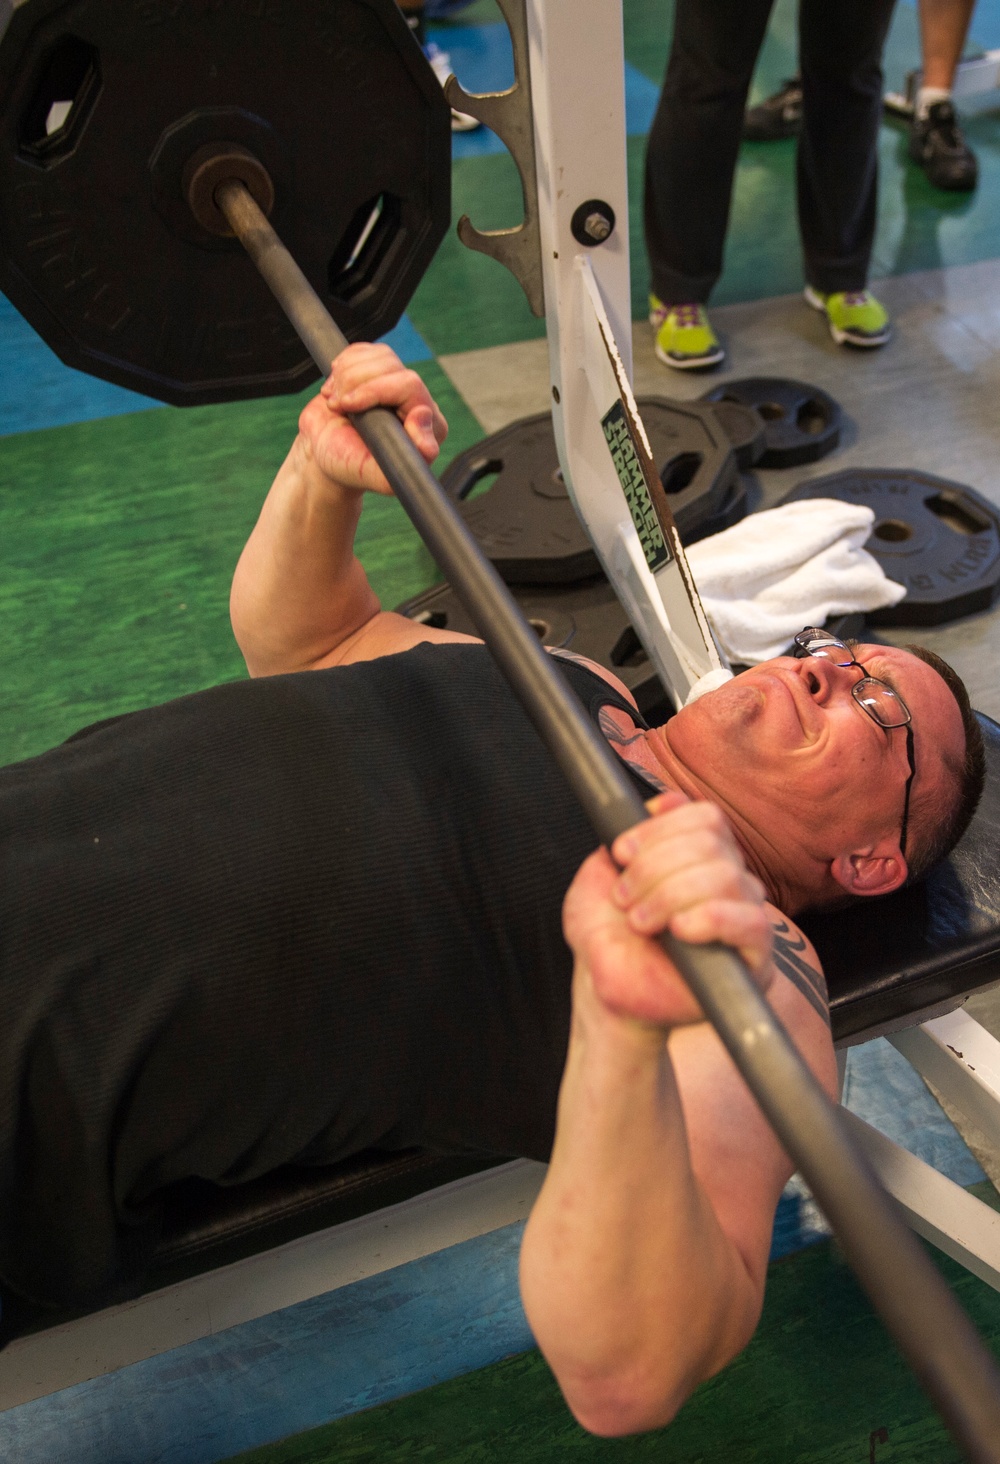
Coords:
323,910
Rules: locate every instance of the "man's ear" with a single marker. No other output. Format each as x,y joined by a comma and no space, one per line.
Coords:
876,871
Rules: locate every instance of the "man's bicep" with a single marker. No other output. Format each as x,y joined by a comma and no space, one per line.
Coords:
387,634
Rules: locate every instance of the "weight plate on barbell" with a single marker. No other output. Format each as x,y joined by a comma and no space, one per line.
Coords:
939,539
524,521
801,422
103,106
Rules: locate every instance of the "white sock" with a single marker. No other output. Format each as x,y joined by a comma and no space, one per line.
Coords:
927,96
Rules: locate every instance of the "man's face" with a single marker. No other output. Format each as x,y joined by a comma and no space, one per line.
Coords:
787,749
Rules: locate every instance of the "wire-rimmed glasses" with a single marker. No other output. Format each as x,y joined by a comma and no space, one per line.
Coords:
874,696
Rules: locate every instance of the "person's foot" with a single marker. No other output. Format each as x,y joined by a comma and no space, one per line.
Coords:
777,116
937,144
441,66
684,337
855,317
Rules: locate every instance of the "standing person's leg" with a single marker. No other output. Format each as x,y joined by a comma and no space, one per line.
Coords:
936,142
690,158
840,46
944,25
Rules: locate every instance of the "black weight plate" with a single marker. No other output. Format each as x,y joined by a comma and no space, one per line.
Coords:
939,539
524,522
801,422
97,246
733,508
744,426
694,456
583,618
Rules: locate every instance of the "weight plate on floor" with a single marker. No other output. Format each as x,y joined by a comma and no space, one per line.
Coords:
524,521
733,508
801,422
103,108
583,618
744,426
939,539
695,459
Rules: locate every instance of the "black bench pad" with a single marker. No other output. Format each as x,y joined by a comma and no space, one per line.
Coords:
886,959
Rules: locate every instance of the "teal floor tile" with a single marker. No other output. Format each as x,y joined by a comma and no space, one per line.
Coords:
985,27
408,343
37,390
481,55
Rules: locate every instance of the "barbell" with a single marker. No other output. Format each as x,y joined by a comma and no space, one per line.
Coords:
105,106
144,151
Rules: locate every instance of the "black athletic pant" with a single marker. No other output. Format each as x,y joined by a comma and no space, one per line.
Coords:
695,137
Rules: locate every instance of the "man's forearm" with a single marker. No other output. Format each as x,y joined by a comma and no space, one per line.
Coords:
633,1291
299,590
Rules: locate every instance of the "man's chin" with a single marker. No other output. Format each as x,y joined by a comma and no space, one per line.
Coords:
700,734
739,702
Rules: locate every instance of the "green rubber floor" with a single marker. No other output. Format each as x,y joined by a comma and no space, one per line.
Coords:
119,538
819,1384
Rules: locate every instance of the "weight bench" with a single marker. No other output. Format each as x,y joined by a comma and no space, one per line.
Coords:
927,948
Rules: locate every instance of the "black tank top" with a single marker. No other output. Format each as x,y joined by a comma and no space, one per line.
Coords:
275,922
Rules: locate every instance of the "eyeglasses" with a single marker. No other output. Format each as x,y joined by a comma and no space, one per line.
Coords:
875,697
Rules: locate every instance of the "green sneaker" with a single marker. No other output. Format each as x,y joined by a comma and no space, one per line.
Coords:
855,317
684,338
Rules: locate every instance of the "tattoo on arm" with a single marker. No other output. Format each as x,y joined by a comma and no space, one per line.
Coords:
622,742
803,975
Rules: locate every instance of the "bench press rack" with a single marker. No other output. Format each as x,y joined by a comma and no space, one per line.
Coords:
579,153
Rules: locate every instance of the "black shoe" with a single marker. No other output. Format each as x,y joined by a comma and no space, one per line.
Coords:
937,144
777,116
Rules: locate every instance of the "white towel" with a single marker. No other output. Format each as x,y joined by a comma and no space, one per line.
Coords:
775,572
